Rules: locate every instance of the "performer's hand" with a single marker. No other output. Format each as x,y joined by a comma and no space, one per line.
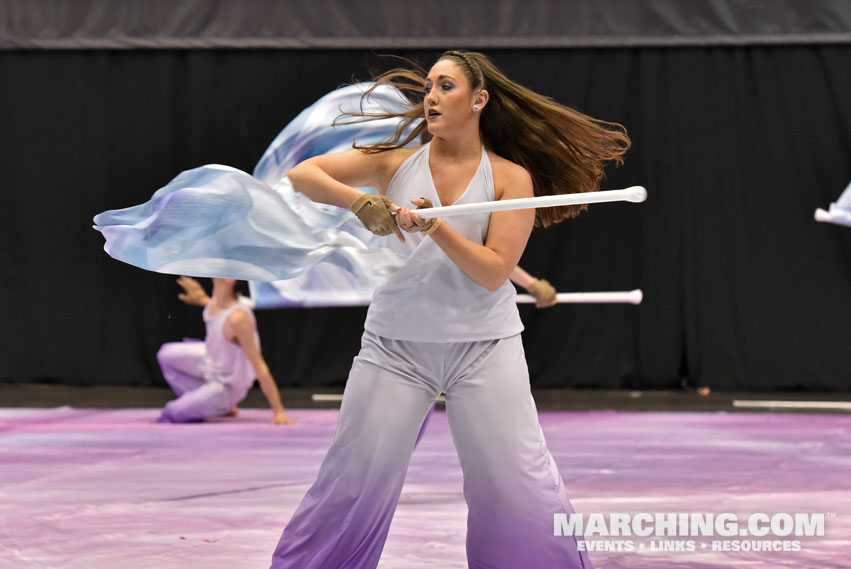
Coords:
374,212
282,419
193,292
411,222
544,293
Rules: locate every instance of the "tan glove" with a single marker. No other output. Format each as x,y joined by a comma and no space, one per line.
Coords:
429,225
544,293
372,210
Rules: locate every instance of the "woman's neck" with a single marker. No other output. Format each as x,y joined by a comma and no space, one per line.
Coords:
461,148
223,298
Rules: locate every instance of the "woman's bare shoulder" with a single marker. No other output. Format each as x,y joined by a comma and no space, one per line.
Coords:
240,317
510,180
399,155
391,161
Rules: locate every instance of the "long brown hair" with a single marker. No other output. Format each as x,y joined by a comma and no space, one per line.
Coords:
564,151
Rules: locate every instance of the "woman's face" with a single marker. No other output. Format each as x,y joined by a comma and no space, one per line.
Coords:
448,98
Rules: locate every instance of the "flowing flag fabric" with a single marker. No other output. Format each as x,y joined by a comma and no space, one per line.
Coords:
217,221
840,210
311,133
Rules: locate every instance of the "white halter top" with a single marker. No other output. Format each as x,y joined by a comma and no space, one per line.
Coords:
429,299
226,361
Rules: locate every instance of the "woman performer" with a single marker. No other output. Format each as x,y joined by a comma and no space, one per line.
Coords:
212,376
446,321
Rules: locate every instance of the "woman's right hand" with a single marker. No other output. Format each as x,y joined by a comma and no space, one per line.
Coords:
373,211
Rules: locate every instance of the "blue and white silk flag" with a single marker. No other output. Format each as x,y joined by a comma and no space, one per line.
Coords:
217,221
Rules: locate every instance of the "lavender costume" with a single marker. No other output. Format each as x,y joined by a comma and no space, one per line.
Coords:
210,377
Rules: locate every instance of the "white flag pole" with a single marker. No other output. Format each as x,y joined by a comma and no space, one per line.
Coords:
822,216
635,194
624,297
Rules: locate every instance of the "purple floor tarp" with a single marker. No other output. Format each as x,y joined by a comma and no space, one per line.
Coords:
107,489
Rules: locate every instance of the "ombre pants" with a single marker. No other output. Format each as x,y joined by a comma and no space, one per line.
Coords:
511,483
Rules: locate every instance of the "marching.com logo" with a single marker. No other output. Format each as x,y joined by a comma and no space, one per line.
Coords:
767,528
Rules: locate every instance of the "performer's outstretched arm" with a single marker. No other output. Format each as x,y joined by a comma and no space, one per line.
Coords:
242,328
331,179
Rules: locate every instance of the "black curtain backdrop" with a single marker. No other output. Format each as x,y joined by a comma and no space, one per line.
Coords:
736,145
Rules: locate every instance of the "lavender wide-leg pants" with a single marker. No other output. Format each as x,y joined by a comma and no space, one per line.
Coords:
511,483
182,364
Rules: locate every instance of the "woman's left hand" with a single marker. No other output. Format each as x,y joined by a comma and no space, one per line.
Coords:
544,293
282,419
411,222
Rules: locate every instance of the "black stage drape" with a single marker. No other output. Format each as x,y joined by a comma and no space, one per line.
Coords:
736,145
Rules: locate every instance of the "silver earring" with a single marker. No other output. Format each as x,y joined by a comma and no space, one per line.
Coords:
475,107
